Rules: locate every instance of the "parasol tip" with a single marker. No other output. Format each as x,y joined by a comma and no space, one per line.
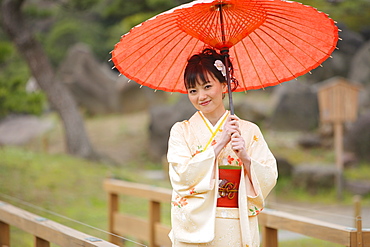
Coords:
310,72
339,30
113,67
119,74
321,66
336,48
110,60
128,81
141,86
340,38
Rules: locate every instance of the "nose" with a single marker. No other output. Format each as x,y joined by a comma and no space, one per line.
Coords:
202,95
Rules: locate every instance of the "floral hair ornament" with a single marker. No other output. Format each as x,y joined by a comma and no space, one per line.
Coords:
220,66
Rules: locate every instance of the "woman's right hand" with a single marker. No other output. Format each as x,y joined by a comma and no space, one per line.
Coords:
231,126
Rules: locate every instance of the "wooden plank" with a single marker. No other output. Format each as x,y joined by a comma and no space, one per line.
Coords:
269,237
310,227
161,235
126,225
4,234
39,242
47,229
148,192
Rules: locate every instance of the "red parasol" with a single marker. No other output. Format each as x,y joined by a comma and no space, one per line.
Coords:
269,42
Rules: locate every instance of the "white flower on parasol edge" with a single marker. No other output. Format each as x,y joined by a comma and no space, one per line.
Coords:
220,66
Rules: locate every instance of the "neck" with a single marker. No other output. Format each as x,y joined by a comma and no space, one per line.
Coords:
214,116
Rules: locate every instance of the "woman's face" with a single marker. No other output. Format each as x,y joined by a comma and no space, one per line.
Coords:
207,96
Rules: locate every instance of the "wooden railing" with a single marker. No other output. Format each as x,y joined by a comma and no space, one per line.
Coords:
44,231
155,233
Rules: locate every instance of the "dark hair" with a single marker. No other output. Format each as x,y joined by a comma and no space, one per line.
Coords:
199,64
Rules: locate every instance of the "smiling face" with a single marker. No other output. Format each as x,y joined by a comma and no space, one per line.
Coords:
206,96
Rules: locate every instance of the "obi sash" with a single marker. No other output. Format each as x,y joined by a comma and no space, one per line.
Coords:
229,180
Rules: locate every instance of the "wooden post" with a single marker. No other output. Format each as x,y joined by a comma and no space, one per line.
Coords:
39,242
269,237
113,209
4,234
154,218
338,143
359,231
357,208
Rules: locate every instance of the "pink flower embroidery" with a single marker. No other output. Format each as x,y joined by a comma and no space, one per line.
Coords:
255,210
179,202
230,159
192,191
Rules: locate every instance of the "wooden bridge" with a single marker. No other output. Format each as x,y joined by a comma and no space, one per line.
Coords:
154,233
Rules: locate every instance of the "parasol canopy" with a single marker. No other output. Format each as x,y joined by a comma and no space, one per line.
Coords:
269,42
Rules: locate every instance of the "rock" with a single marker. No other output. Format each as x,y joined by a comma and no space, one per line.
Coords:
359,72
339,64
285,168
358,187
88,81
296,107
250,112
309,141
20,129
98,89
357,138
314,177
162,117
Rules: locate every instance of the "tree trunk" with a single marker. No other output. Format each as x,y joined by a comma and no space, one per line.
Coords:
59,97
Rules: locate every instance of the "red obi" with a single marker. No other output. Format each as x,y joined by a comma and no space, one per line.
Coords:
229,177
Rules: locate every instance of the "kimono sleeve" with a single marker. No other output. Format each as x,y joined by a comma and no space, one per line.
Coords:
263,171
189,174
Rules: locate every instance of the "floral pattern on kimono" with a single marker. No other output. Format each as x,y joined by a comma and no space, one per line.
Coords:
194,178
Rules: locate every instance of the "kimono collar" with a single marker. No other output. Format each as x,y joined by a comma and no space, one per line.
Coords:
214,129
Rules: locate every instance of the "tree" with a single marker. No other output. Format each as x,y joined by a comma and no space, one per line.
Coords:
12,20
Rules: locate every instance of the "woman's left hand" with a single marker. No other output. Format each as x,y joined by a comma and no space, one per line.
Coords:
238,145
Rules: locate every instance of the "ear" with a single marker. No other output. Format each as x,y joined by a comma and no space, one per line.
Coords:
224,87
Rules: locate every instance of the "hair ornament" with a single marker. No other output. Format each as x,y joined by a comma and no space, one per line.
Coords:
220,66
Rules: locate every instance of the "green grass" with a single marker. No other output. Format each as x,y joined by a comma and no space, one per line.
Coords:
62,184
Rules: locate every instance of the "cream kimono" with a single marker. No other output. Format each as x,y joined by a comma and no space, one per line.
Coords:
194,178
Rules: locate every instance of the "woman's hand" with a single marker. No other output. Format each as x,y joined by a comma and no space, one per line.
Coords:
238,146
231,126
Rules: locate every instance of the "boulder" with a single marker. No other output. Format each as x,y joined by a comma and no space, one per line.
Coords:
359,72
339,64
357,138
314,177
357,187
20,129
99,90
89,82
285,168
296,107
162,117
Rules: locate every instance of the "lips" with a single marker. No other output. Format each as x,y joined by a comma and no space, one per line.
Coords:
204,103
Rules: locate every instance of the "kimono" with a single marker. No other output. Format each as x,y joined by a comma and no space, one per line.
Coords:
193,169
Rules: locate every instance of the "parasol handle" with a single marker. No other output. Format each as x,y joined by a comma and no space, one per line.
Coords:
225,53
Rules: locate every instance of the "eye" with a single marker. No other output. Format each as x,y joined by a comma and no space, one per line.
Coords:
208,86
192,91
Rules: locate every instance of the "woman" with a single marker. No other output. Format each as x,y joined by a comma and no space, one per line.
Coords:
220,167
